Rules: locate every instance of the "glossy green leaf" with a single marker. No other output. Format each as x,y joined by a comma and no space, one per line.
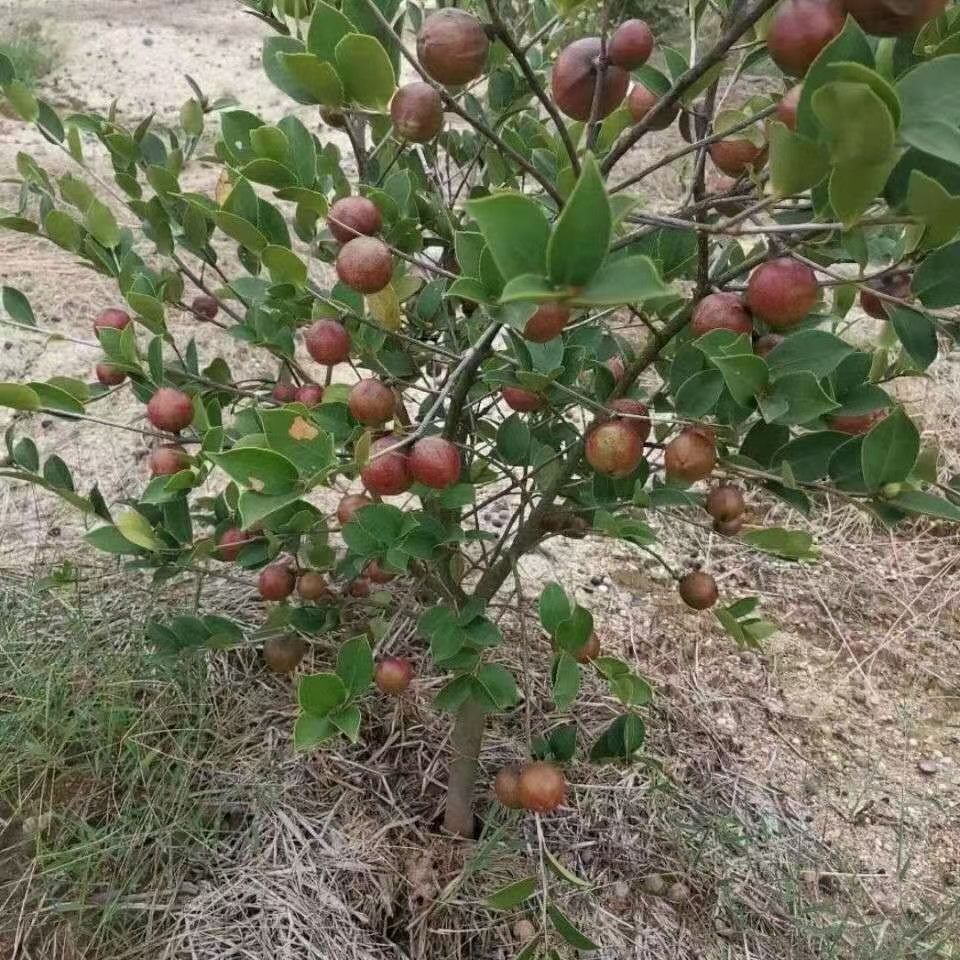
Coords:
625,281
366,71
931,203
568,931
581,235
565,680
135,527
813,351
102,224
513,894
284,265
788,544
890,450
315,79
263,471
498,685
328,26
24,103
917,334
320,693
931,122
937,279
554,607
796,163
310,730
516,233
926,504
355,665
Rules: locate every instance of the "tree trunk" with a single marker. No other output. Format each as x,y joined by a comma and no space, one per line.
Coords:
465,739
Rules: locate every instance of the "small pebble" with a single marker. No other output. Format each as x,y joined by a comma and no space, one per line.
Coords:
928,766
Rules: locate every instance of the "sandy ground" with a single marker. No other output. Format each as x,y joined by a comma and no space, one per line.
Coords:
849,720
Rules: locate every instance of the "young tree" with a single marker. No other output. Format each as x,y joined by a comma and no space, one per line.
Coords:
486,231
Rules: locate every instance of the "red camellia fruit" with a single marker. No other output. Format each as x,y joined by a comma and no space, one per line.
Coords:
168,459
282,654
310,394
417,112
109,375
638,415
547,322
614,449
111,319
205,307
855,424
393,675
728,528
523,401
590,650
725,502
893,18
642,100
170,410
375,573
276,582
365,264
435,462
313,586
284,393
691,456
800,29
631,45
327,342
698,590
506,787
387,472
349,505
574,78
737,155
720,184
895,284
231,542
359,588
787,107
721,311
452,47
782,292
371,402
351,217
542,787
767,343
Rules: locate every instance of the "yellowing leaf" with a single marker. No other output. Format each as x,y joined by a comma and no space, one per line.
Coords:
385,308
300,429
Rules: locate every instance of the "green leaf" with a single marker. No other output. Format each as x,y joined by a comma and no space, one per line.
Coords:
796,398
284,265
321,693
513,894
573,634
63,230
366,71
936,207
7,71
568,931
932,120
528,287
809,455
917,334
745,375
581,235
853,72
111,540
18,396
890,450
796,163
554,607
102,224
937,279
561,871
499,686
277,71
311,730
355,665
698,395
263,471
347,721
245,233
328,26
514,440
788,544
270,173
17,305
314,78
57,473
565,679
621,740
916,501
299,439
191,118
814,351
136,528
516,233
625,281
24,103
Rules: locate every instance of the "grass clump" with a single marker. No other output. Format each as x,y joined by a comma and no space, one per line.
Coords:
32,54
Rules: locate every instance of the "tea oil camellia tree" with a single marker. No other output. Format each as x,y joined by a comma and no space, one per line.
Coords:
486,244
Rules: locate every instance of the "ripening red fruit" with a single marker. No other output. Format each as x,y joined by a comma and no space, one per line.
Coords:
350,217
542,787
365,264
614,449
642,100
691,456
435,462
375,573
349,505
523,401
393,675
638,418
893,18
631,45
800,29
574,78
310,394
327,342
506,787
282,654
590,650
547,322
729,528
721,311
313,586
767,343
205,307
855,424
893,284
170,410
168,459
371,402
276,582
720,184
387,472
782,292
787,107
417,112
452,47
698,590
725,502
109,375
111,319
737,156
231,542
284,393
359,588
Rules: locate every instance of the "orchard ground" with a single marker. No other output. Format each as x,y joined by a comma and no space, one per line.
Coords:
806,799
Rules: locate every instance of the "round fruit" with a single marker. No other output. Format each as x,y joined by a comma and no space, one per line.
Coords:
691,456
327,342
698,590
547,322
787,107
782,292
109,375
205,307
590,650
284,393
725,502
523,401
542,787
168,459
642,100
111,319
736,156
452,47
376,574
638,415
631,45
313,586
387,472
506,787
231,542
721,311
170,410
895,284
365,264
719,184
310,394
574,78
371,402
767,343
800,29
393,675
728,528
354,216
283,653
855,424
276,582
417,112
349,505
359,588
893,18
435,462
614,449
